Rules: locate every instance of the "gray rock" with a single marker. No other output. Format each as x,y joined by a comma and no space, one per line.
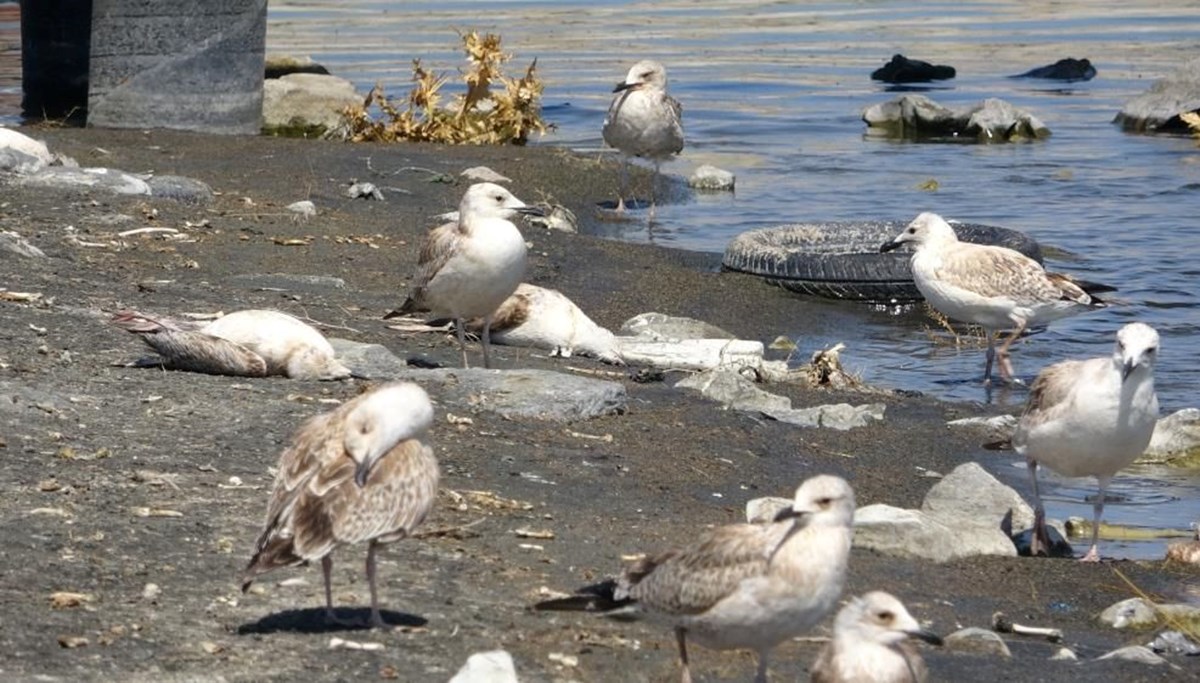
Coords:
731,389
1174,643
1135,653
708,177
1158,108
914,116
764,509
514,394
1131,613
1176,436
12,242
21,154
16,162
913,533
365,191
305,208
1064,654
103,179
487,667
287,282
977,640
180,188
663,327
302,100
970,496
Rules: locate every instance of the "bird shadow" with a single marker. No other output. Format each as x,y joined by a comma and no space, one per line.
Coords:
312,620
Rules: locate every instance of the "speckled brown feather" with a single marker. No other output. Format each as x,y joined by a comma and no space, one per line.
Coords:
316,506
440,244
692,579
999,272
187,349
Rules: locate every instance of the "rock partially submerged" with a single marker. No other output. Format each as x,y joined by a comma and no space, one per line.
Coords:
1067,69
901,69
913,116
712,179
1176,438
1158,109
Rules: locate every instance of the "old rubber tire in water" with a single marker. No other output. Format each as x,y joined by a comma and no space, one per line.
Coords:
841,259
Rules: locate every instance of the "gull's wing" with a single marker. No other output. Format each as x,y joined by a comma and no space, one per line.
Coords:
1048,396
693,579
993,271
440,246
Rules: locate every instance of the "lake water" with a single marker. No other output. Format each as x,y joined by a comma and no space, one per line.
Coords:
774,91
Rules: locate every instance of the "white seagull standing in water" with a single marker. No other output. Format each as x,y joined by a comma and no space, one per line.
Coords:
742,586
1090,418
871,644
995,287
467,268
357,473
643,121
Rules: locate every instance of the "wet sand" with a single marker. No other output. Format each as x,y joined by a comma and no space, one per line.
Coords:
89,448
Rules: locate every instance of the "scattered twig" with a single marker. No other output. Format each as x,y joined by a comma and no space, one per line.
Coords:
140,231
1002,624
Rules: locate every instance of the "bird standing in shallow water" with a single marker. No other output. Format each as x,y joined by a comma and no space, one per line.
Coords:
742,586
467,268
643,121
995,287
357,473
1090,418
871,644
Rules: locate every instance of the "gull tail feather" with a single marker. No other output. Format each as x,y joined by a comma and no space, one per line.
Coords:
598,597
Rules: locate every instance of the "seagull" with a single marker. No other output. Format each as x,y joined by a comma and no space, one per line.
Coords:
1090,418
357,473
643,121
995,287
742,586
467,268
871,644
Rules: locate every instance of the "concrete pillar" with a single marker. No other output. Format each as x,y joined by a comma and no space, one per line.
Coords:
183,64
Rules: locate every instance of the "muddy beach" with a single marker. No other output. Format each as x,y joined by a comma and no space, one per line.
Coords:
143,490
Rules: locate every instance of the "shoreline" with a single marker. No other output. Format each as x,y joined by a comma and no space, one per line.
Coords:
675,461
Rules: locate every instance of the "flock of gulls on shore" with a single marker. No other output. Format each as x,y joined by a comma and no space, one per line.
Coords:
361,473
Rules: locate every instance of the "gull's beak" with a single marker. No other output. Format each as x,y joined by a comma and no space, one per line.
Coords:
889,246
1128,368
789,513
531,211
625,86
927,636
361,473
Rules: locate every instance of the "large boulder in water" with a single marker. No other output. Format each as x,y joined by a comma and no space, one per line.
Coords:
1158,109
917,117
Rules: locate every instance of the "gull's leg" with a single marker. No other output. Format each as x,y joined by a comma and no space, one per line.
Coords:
653,182
376,618
1006,371
459,324
1093,554
623,180
760,676
681,639
1041,538
991,356
331,617
487,340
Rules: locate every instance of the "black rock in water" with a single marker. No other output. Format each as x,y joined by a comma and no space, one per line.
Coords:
904,70
1068,69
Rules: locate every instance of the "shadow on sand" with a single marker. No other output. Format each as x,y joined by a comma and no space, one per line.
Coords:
312,620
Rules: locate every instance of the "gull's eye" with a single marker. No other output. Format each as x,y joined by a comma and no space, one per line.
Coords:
885,617
1152,350
824,502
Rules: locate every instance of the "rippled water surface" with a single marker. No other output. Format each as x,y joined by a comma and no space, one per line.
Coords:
774,92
